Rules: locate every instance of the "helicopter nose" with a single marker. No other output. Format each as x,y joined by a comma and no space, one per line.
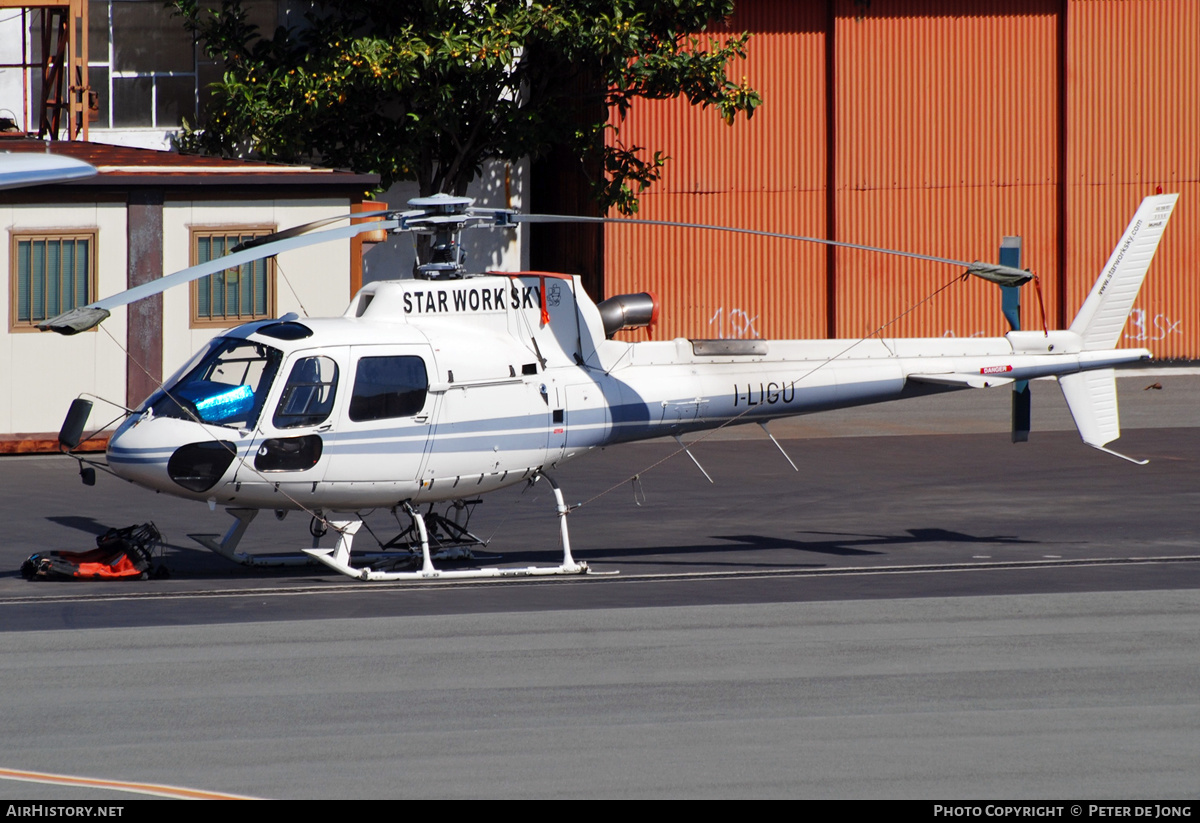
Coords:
169,455
198,467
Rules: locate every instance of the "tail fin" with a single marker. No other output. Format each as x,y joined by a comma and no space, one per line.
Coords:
1102,317
1092,398
1092,395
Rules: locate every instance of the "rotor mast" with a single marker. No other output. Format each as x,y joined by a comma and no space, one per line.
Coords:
443,216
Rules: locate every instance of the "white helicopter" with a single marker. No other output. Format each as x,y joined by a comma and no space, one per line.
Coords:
443,386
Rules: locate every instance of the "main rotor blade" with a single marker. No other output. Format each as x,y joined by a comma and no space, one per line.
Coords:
408,219
304,228
33,169
93,314
1004,275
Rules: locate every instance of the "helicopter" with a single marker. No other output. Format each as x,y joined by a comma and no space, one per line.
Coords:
446,385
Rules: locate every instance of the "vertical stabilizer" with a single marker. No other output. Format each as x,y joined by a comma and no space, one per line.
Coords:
1092,398
1102,317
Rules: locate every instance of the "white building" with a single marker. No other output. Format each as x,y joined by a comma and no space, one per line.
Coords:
146,214
151,212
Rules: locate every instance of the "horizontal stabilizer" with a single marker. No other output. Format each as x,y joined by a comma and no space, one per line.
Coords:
962,381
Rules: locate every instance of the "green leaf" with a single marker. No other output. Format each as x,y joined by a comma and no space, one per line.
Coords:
430,90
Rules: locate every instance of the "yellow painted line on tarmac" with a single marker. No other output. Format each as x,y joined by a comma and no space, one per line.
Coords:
158,790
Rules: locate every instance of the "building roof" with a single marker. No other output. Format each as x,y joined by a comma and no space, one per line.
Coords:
126,166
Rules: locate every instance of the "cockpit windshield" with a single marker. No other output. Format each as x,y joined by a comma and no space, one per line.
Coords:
226,387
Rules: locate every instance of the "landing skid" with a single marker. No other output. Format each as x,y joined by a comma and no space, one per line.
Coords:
338,558
452,538
226,546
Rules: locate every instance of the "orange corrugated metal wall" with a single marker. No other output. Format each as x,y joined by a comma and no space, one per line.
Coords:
945,143
942,127
1133,124
767,173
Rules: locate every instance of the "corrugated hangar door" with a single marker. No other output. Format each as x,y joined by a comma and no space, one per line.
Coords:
946,141
766,173
1133,126
933,127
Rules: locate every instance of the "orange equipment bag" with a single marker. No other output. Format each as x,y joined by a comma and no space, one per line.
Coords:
120,554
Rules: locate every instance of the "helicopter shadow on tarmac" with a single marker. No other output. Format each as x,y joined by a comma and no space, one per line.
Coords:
741,551
759,551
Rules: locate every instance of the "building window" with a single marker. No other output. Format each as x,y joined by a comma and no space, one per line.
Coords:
53,272
146,68
236,295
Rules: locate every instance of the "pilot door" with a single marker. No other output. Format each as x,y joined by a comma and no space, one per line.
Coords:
291,448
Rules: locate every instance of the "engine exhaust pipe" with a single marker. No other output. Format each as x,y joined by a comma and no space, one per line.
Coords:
628,311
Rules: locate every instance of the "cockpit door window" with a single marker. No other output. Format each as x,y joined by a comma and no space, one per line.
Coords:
308,396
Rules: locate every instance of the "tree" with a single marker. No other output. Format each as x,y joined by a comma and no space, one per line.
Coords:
429,90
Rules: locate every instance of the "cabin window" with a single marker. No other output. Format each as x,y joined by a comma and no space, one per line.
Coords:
227,387
386,387
308,395
236,295
53,272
